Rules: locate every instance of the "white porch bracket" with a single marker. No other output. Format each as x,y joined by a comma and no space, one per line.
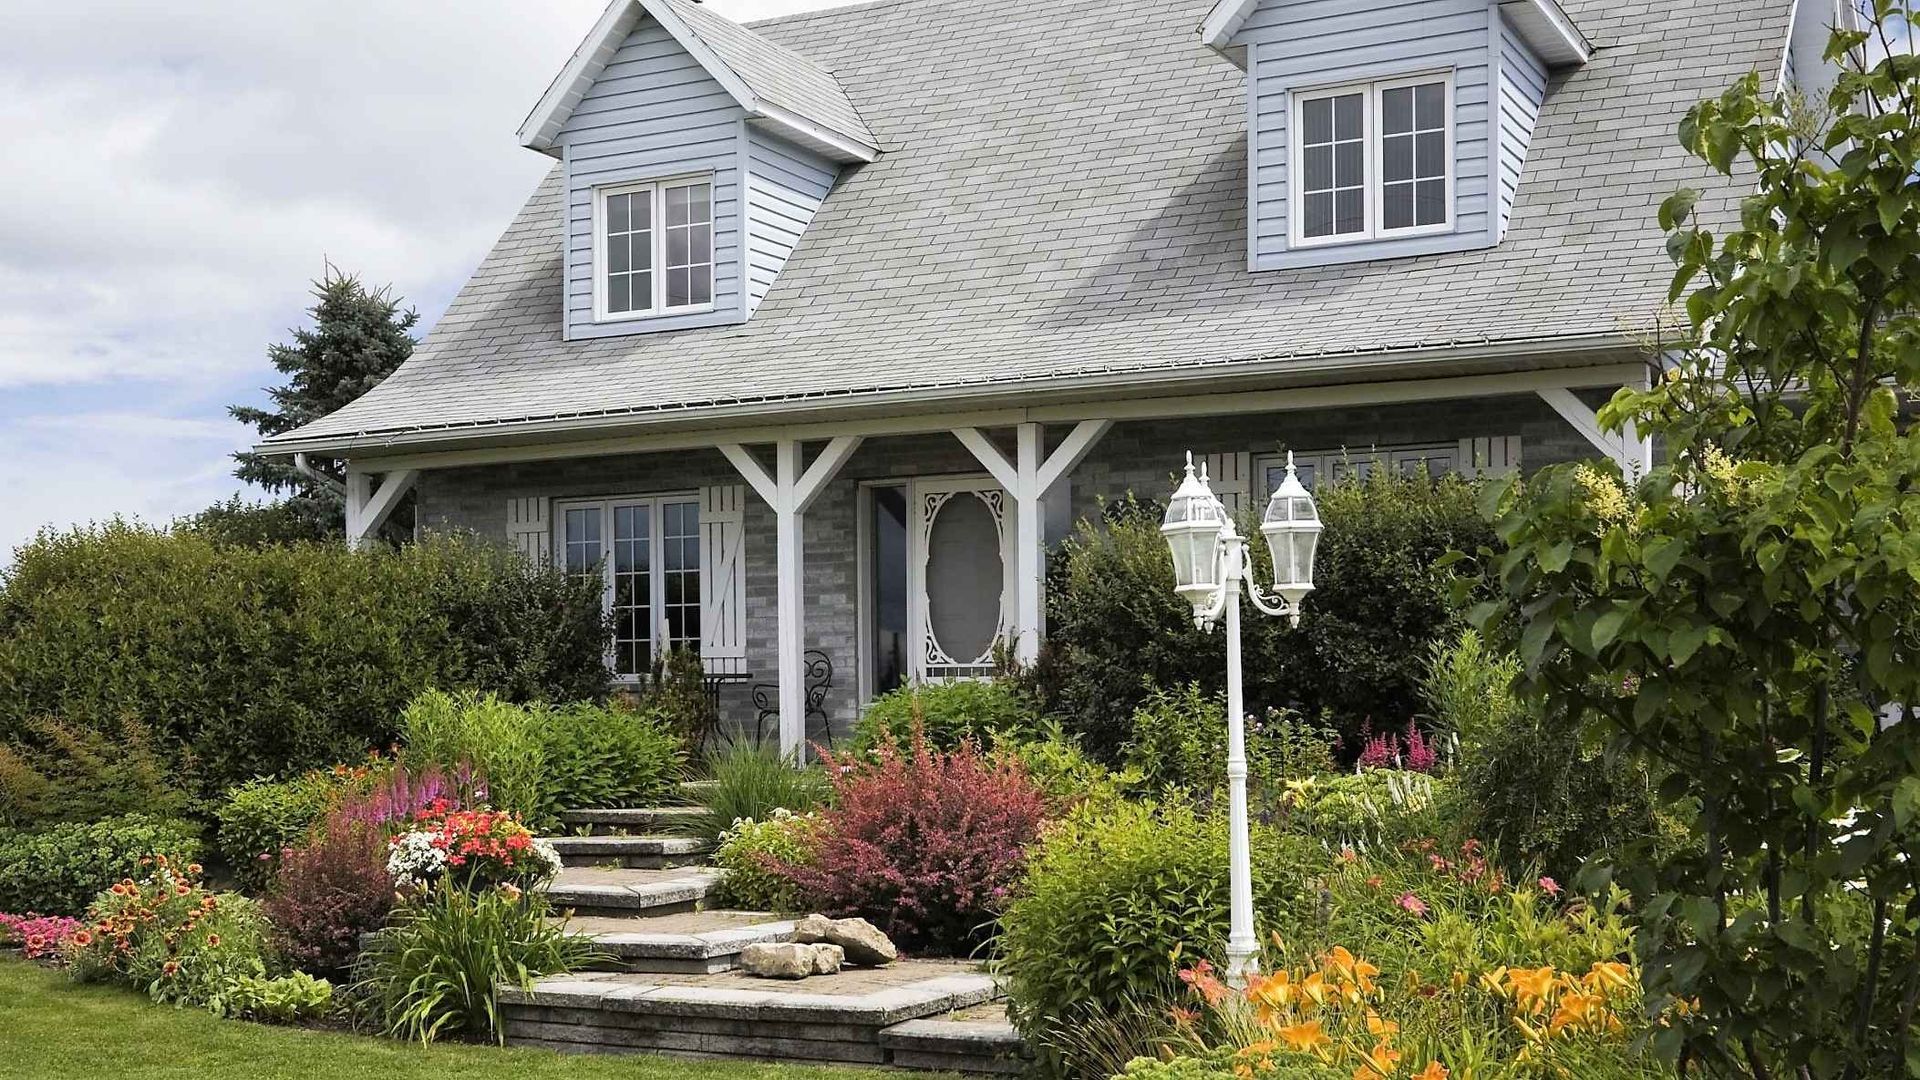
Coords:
790,490
1633,454
368,508
1028,478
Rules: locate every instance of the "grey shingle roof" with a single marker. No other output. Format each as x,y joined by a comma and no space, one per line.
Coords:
775,74
1064,194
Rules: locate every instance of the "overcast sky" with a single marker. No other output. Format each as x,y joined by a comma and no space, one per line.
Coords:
175,175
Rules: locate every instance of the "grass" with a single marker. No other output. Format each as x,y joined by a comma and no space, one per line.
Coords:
51,1028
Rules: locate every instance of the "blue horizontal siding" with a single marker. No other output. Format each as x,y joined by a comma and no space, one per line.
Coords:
1304,44
1523,88
654,113
785,186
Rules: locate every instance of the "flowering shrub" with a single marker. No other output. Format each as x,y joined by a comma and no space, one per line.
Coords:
39,936
261,818
925,844
477,847
168,935
753,852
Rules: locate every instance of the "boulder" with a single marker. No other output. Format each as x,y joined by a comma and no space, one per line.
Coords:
862,941
789,959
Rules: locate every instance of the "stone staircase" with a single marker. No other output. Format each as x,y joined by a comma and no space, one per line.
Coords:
671,985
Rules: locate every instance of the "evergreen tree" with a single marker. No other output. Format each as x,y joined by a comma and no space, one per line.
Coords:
358,337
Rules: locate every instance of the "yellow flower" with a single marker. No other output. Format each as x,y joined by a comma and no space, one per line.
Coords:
1305,1037
1271,993
1605,498
1379,1027
1532,986
1608,976
1313,988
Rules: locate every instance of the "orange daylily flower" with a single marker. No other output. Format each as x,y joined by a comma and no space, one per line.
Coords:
1378,1063
1305,1037
1433,1071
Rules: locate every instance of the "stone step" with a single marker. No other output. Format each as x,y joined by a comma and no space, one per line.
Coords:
631,820
699,942
828,1018
630,852
593,891
945,1044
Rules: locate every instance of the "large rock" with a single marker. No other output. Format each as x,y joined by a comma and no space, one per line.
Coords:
863,942
790,959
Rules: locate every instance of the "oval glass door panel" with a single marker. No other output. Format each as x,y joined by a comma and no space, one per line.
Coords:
964,574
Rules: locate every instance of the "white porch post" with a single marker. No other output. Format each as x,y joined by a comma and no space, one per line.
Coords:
790,490
1028,478
1633,453
367,508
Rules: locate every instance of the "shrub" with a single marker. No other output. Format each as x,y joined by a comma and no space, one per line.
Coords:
1062,771
261,818
1112,896
749,784
297,996
1179,740
676,696
329,891
751,852
60,772
926,844
1469,688
60,870
1375,808
266,661
949,713
165,933
1116,630
607,756
436,969
499,739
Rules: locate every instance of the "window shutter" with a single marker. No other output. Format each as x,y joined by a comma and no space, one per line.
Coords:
723,578
1496,455
1231,476
530,529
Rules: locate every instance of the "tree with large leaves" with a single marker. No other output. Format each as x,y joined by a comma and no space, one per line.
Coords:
358,337
1745,618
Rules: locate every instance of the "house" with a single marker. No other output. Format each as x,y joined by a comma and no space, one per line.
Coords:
820,329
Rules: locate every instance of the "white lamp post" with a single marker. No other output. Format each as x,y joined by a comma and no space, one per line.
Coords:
1209,569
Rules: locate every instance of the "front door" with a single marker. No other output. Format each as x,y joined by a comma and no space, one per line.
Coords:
960,581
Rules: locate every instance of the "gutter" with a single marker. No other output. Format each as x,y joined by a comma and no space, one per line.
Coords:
1571,351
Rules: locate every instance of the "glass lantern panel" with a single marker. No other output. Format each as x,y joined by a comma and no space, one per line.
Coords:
1303,509
1304,545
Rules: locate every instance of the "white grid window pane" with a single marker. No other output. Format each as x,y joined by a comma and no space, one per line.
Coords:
632,601
1333,165
580,542
1413,156
680,571
629,251
689,244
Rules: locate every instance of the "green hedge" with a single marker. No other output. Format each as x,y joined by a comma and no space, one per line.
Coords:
949,713
58,871
268,661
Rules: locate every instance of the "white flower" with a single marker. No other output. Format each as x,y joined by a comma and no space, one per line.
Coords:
548,856
414,860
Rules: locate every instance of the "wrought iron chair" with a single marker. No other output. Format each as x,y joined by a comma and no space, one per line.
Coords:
817,674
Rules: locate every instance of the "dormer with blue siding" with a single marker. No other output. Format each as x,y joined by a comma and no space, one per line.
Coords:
695,155
1387,128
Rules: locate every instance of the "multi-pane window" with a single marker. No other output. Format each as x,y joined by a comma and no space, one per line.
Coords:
646,554
1372,161
653,248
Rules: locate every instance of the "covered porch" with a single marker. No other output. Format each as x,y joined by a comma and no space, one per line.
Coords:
906,547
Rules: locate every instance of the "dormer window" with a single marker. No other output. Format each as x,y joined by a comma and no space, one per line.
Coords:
1372,161
653,248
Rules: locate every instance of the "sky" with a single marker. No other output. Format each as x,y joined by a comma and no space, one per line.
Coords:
176,175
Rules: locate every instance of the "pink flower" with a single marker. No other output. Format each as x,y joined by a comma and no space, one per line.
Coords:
1412,903
1551,886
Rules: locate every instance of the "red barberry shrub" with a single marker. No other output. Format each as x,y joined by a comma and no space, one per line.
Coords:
328,892
923,843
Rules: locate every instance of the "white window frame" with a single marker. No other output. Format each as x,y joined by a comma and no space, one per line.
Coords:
656,575
1326,462
1371,111
656,190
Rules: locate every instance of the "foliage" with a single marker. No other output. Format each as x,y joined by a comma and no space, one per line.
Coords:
1116,630
261,818
436,968
924,843
60,870
751,852
1112,894
600,755
480,849
1469,689
243,524
60,772
749,783
675,695
267,662
328,891
1064,773
1370,809
359,336
169,935
282,1000
948,712
1179,740
39,937
1739,617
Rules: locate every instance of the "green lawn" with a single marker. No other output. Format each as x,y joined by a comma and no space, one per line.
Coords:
51,1028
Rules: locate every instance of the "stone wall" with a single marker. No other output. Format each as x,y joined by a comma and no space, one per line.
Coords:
1137,456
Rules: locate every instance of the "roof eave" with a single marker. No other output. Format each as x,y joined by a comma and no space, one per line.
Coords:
1547,29
1224,21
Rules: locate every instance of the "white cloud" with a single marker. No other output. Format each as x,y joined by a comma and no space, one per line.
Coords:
176,174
